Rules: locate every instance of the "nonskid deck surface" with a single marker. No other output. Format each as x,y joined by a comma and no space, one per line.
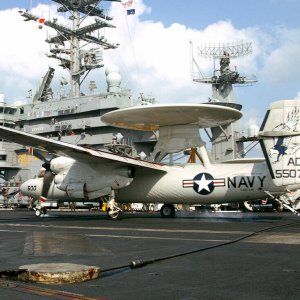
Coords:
262,266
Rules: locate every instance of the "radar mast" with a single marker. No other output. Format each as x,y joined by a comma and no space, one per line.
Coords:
226,140
225,77
66,45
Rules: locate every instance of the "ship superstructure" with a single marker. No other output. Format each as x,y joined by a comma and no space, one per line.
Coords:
227,141
70,115
8,160
75,117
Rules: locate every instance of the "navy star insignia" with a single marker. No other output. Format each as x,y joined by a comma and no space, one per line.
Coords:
203,183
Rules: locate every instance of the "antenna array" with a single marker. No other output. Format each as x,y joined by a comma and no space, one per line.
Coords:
233,50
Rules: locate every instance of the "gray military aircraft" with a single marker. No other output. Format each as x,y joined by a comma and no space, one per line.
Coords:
82,173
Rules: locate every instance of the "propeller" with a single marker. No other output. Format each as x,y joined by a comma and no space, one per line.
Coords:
43,155
47,180
46,157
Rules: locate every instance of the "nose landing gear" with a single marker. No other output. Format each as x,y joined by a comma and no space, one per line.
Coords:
40,211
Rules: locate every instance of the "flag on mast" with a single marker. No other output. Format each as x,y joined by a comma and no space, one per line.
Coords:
130,12
127,3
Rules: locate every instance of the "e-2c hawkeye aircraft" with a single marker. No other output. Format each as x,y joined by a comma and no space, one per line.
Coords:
80,173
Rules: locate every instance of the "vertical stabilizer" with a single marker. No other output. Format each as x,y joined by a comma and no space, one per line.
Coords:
280,141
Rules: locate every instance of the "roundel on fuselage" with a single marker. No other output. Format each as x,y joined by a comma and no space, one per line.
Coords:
203,183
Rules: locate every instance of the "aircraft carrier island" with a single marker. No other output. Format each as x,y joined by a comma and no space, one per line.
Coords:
68,114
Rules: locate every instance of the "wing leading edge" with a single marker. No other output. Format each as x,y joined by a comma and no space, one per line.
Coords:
70,150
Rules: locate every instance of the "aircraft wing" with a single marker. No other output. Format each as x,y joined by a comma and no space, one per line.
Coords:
82,154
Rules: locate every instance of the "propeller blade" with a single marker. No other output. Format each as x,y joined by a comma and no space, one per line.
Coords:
44,156
47,164
48,178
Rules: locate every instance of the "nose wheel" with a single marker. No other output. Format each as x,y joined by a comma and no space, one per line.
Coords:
167,211
40,211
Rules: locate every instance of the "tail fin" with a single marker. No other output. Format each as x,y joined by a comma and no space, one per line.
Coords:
280,141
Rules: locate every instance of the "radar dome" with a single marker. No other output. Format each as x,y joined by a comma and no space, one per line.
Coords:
113,79
253,130
112,69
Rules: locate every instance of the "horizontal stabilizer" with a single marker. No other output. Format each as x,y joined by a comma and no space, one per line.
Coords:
268,134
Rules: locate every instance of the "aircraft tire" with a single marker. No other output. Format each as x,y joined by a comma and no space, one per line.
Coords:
278,207
167,211
38,212
114,216
248,206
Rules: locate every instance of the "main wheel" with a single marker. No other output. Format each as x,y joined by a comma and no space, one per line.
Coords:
248,205
278,206
38,212
167,211
114,214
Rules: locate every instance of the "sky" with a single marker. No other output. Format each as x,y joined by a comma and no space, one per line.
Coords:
154,52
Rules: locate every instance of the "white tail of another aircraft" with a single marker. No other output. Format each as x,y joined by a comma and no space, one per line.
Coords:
280,142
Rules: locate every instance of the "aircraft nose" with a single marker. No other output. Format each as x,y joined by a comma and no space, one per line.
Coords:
31,187
23,188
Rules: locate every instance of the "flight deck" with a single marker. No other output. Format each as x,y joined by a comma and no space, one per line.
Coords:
198,255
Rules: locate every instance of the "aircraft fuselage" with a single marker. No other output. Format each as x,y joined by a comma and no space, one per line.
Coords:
194,184
190,184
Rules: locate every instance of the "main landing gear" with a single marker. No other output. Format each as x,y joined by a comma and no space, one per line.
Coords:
114,212
167,211
285,201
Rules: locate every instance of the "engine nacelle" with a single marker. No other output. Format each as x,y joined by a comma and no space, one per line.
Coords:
128,171
75,190
77,180
92,178
59,178
61,164
78,191
97,194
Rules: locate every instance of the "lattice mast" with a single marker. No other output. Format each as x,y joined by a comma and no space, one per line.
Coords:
66,45
223,78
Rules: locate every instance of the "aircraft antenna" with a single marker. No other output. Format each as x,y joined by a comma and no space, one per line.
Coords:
69,44
227,141
224,77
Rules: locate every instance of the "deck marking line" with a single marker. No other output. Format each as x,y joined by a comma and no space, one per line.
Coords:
153,238
128,229
7,230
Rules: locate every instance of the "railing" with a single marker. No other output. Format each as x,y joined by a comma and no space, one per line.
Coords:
7,117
